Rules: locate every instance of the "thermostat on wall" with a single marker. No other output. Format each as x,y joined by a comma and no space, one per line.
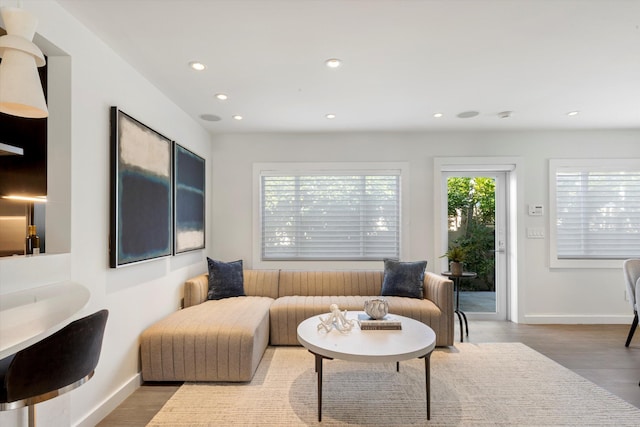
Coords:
536,210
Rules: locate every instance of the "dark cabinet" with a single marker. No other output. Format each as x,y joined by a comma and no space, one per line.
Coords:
24,174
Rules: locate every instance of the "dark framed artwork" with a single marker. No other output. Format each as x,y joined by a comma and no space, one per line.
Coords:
141,197
189,200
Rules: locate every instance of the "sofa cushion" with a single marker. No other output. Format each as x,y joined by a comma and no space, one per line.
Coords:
257,283
286,313
403,279
313,283
225,279
221,340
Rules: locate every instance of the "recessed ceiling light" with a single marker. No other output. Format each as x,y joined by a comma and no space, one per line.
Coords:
573,113
468,114
237,117
333,63
330,116
198,66
222,96
438,115
210,117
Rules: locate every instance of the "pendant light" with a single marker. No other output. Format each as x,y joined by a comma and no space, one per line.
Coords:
21,92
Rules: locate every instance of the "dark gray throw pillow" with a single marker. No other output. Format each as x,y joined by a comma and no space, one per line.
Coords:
225,279
403,279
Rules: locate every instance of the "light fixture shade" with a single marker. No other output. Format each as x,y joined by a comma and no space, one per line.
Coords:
20,88
19,22
10,41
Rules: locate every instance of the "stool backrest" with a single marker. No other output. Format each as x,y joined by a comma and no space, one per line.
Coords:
57,361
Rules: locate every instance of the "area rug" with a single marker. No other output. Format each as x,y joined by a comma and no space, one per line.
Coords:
498,384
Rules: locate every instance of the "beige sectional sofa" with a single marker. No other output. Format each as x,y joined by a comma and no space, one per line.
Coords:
224,340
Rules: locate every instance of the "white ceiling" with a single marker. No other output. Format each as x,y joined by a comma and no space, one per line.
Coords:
403,61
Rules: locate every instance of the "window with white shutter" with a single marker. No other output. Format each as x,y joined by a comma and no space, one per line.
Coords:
595,209
330,215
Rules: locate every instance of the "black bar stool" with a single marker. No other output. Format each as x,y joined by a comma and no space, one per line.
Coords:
59,363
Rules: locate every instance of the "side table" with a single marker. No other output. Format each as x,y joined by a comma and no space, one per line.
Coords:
456,278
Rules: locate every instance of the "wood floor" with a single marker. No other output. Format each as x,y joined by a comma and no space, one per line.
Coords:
596,352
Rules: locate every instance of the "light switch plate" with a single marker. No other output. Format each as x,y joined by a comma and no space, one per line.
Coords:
535,233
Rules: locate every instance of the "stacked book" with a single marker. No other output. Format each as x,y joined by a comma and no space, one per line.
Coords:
387,323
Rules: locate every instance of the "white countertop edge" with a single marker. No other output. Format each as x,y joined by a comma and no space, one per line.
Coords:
30,315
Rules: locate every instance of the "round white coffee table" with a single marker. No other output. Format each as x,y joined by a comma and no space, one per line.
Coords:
414,340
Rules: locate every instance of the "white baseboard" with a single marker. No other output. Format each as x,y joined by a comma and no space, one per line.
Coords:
111,402
571,319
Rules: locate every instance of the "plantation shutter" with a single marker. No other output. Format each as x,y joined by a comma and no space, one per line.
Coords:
315,216
598,213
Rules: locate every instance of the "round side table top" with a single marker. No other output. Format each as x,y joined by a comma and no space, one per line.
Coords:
465,274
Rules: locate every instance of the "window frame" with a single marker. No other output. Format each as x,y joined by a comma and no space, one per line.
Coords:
588,165
326,168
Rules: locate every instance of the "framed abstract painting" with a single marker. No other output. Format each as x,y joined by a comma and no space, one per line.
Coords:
189,200
141,192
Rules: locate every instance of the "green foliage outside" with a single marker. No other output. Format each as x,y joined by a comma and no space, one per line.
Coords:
471,211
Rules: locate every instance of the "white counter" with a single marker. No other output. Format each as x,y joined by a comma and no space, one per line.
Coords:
28,316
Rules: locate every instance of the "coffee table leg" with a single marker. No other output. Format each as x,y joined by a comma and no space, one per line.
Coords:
427,375
319,371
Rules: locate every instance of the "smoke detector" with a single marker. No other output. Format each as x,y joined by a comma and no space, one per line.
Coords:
210,117
467,114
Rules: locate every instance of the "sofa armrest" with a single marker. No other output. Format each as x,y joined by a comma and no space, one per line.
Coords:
195,290
439,289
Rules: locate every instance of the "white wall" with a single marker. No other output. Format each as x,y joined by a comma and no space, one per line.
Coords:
544,295
138,295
